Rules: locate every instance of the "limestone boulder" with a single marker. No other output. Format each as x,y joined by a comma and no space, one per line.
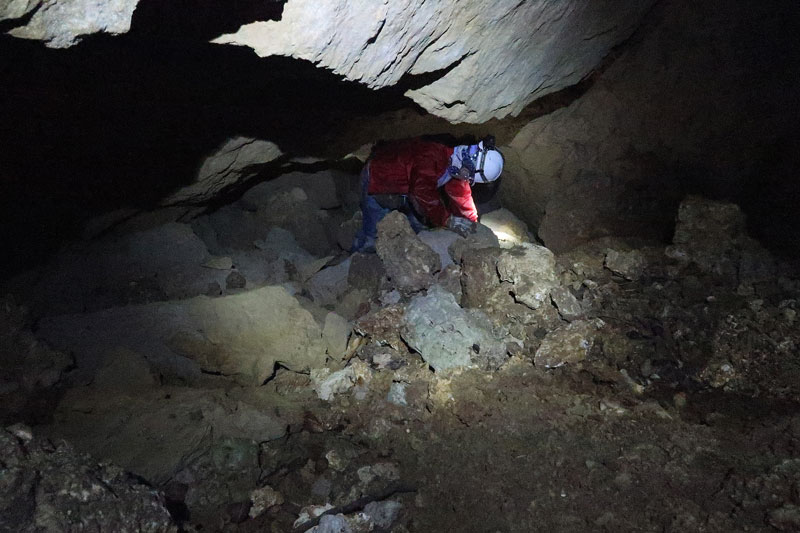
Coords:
232,162
507,227
366,272
482,238
336,331
629,264
60,24
479,278
14,9
383,326
569,307
379,43
157,264
320,188
329,284
531,271
447,336
241,336
409,262
293,211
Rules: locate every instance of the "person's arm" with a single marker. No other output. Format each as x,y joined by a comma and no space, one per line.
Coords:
461,202
425,197
429,162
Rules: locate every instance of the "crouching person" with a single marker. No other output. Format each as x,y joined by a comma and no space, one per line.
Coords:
428,181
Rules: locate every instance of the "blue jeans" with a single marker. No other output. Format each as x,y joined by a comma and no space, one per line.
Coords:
372,212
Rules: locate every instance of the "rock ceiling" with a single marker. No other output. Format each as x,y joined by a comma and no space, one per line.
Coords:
472,63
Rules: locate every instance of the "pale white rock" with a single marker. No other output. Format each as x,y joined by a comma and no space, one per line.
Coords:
336,332
327,384
531,269
447,336
627,263
397,393
478,48
14,9
263,498
219,263
225,167
508,229
61,22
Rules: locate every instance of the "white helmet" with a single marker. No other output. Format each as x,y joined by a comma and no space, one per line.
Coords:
489,165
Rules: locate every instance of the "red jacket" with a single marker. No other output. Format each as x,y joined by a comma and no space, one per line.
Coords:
413,167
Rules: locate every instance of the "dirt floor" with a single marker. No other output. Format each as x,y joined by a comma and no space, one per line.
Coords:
525,450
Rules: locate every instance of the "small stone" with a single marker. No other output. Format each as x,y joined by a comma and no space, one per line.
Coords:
262,499
568,306
235,281
335,461
384,513
219,263
680,400
21,431
333,524
311,511
327,384
566,345
397,394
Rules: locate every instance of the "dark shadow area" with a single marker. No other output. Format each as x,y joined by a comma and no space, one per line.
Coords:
122,121
771,199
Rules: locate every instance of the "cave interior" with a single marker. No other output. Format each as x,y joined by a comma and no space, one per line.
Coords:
188,343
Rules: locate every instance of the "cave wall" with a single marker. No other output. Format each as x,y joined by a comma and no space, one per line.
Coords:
470,62
702,100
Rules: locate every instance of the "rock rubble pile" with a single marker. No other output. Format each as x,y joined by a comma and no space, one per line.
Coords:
219,359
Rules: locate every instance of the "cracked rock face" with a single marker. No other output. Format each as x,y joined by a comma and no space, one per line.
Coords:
61,22
493,61
447,336
487,61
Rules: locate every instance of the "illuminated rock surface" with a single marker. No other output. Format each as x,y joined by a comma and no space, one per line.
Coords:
546,45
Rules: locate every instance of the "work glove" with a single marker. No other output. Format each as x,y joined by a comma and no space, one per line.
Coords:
460,225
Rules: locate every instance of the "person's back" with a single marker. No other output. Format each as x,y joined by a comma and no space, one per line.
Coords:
409,174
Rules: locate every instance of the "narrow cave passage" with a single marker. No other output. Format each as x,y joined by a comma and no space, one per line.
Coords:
187,337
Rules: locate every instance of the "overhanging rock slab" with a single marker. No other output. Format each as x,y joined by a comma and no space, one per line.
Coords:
242,336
